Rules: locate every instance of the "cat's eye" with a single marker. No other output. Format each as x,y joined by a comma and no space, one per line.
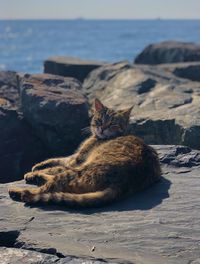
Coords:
114,126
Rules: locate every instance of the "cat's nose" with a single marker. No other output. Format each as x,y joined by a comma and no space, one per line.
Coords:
103,127
99,129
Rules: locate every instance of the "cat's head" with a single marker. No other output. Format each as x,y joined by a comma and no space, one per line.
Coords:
107,123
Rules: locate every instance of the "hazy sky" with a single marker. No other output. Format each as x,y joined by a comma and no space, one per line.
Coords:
128,9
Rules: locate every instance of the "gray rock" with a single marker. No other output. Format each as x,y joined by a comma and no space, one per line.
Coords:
97,80
56,109
179,156
166,108
169,52
21,256
19,147
159,225
9,92
70,67
74,260
187,70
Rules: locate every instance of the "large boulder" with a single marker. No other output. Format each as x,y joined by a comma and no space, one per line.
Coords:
40,116
169,52
70,67
158,225
166,108
20,149
56,109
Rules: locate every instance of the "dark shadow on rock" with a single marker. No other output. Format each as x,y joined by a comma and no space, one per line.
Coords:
145,200
8,238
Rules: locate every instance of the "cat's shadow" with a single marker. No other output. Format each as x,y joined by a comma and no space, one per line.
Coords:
145,200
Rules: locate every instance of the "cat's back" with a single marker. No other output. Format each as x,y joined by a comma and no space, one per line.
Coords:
127,161
123,143
125,148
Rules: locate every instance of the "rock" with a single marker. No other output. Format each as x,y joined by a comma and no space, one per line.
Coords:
74,260
179,156
166,108
169,52
56,109
70,67
20,149
158,225
21,256
187,70
97,80
9,92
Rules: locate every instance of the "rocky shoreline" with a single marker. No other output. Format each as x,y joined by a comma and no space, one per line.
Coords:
43,115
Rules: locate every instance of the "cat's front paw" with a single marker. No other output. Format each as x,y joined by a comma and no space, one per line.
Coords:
29,178
33,178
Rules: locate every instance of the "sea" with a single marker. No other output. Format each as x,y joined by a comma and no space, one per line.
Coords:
25,44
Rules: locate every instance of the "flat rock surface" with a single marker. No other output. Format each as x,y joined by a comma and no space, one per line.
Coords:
159,225
166,107
70,67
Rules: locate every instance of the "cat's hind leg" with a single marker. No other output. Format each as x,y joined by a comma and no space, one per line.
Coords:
23,194
28,194
74,200
33,195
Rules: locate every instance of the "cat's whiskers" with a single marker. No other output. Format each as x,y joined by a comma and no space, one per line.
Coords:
86,130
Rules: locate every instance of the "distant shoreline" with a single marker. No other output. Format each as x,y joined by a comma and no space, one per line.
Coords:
100,19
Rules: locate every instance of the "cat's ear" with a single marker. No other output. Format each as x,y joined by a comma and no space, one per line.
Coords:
98,106
126,112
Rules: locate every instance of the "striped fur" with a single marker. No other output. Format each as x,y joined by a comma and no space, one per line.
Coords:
108,165
92,199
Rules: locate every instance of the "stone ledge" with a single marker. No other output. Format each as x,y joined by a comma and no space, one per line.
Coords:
159,225
70,67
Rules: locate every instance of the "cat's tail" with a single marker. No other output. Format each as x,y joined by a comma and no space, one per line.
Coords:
73,200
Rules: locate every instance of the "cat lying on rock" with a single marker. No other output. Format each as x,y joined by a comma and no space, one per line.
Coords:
109,165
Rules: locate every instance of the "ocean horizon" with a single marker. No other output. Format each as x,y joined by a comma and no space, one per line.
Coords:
25,44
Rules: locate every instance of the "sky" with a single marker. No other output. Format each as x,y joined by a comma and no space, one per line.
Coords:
99,9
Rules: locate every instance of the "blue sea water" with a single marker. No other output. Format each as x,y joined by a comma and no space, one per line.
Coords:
25,44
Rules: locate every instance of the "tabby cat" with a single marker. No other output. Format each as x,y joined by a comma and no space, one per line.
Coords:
108,165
